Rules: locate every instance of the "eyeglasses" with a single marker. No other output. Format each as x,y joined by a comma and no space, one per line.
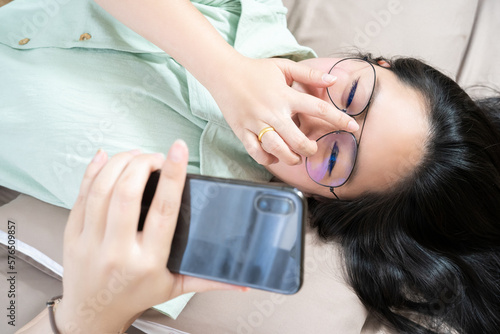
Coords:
333,163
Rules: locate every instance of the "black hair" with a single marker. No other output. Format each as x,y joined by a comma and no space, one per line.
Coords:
424,255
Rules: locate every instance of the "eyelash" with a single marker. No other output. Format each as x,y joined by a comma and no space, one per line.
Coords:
333,158
352,92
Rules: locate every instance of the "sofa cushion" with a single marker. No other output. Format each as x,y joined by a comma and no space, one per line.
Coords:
481,65
435,31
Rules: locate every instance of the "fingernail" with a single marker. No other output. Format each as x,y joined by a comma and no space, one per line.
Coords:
352,126
177,151
328,78
98,156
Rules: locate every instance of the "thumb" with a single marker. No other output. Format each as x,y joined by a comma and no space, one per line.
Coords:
307,75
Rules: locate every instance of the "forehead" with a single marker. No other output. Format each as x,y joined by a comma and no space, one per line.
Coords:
393,140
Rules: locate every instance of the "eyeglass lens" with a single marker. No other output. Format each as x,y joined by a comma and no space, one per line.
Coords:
334,161
354,86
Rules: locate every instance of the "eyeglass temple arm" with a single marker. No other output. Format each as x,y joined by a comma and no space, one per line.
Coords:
334,194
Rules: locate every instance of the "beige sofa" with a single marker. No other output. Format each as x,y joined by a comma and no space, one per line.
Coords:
453,35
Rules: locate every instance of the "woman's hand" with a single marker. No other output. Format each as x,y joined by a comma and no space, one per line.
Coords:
112,272
255,93
252,93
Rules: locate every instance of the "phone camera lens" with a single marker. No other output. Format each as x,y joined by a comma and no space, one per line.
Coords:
263,204
283,207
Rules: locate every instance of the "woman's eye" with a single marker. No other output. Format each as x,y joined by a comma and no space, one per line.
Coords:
350,98
333,158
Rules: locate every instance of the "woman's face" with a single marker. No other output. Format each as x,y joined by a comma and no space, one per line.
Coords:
393,138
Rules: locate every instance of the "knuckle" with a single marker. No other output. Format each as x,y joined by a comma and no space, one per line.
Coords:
275,116
323,109
274,147
149,267
167,207
125,192
267,160
259,160
311,75
120,157
301,144
109,263
263,159
253,149
99,190
293,159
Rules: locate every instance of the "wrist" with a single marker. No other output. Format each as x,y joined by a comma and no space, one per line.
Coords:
72,320
225,68
65,320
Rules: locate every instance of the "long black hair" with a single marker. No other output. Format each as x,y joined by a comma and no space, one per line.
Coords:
424,255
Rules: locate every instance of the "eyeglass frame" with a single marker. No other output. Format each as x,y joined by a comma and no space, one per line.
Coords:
365,59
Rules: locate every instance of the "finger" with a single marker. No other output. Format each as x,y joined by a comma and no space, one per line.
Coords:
96,208
77,214
307,75
315,107
162,216
255,150
274,144
295,139
125,203
184,284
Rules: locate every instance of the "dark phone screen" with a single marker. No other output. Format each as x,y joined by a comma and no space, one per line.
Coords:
237,232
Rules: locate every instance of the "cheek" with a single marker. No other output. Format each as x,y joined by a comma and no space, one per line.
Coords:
297,177
293,175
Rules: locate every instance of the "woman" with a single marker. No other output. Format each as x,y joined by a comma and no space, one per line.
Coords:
386,224
424,251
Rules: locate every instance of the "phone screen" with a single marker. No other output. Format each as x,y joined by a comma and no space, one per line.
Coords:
239,232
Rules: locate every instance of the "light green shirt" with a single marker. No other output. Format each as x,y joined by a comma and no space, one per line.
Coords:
62,98
73,80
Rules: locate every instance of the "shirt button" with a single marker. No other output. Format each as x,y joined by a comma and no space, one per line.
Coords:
24,41
85,36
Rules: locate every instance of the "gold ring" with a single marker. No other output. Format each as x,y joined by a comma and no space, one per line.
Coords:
261,133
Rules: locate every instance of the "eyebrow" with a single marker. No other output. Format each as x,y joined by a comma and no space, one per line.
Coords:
372,100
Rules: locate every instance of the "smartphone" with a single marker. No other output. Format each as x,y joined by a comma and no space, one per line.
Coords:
237,232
